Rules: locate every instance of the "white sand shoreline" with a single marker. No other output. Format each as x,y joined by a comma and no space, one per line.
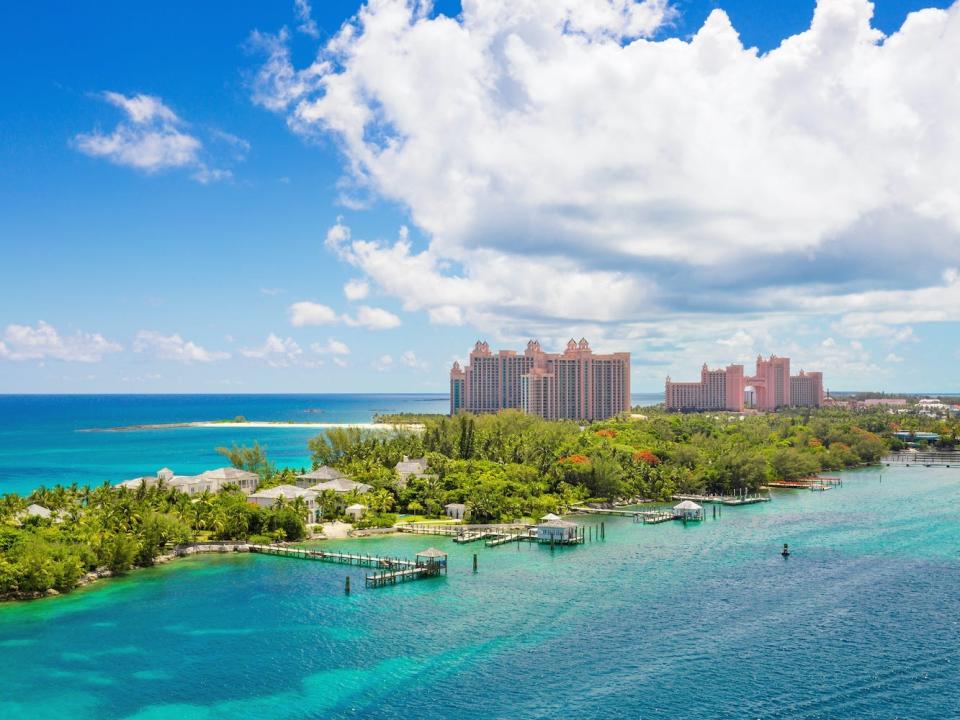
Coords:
262,424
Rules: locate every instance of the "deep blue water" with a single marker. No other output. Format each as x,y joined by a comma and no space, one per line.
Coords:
664,621
42,443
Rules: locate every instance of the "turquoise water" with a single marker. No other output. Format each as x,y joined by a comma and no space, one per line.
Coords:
42,443
664,621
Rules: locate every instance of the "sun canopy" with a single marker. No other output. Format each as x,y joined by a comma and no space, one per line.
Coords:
687,505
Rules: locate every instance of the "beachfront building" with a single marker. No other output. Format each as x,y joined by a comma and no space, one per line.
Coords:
458,380
456,511
322,474
356,511
576,384
288,493
209,480
557,531
770,387
688,510
410,467
342,486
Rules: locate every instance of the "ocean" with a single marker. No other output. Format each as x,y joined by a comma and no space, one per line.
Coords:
43,439
658,621
670,621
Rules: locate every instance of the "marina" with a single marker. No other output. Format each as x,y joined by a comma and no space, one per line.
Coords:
926,459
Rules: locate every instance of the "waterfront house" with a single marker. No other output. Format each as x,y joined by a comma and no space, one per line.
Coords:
457,511
407,468
688,510
216,480
322,474
289,493
356,511
557,531
342,486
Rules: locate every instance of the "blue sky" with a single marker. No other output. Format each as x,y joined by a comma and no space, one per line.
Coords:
186,189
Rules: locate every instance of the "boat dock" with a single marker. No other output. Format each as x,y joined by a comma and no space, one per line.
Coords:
724,499
808,483
342,558
652,517
603,511
428,563
926,459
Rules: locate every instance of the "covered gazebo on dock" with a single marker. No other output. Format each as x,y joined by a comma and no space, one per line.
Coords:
688,510
559,532
432,561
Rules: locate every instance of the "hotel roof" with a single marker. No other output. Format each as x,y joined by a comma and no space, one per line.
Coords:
324,472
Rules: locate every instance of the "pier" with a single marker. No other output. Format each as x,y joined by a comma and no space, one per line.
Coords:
926,459
744,499
428,563
341,558
808,483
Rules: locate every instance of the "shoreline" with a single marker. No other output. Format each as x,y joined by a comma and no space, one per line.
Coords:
256,424
331,531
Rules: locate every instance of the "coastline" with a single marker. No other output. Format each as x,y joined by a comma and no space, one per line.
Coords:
256,424
331,531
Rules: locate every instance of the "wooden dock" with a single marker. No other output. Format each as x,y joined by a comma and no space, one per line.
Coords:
603,511
341,558
653,517
724,499
926,459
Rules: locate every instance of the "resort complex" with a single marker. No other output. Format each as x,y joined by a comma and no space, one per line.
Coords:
576,384
769,388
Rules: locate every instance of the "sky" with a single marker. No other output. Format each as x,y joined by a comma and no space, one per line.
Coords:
343,197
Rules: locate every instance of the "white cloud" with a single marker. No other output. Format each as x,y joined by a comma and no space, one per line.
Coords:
153,138
373,318
332,347
410,360
43,342
356,289
311,313
383,363
893,358
277,352
340,362
308,25
572,179
174,347
272,292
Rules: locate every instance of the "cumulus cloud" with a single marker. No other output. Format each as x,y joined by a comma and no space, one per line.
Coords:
567,172
356,289
331,347
311,313
43,342
276,352
372,318
151,139
174,347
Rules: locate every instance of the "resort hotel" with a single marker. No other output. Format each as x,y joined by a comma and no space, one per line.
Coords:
576,384
770,387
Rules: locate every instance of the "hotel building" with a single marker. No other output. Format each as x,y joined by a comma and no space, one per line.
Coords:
575,384
771,387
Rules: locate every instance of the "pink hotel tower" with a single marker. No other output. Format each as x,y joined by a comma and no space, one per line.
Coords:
575,384
773,385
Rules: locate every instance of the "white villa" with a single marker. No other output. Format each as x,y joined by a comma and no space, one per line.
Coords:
342,485
556,531
268,498
212,480
322,474
411,467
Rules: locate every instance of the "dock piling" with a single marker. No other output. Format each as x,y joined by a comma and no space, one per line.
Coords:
475,559
346,586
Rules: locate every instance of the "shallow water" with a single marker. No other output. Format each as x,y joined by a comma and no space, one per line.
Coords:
661,621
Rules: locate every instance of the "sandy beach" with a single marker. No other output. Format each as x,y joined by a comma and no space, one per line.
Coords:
260,424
